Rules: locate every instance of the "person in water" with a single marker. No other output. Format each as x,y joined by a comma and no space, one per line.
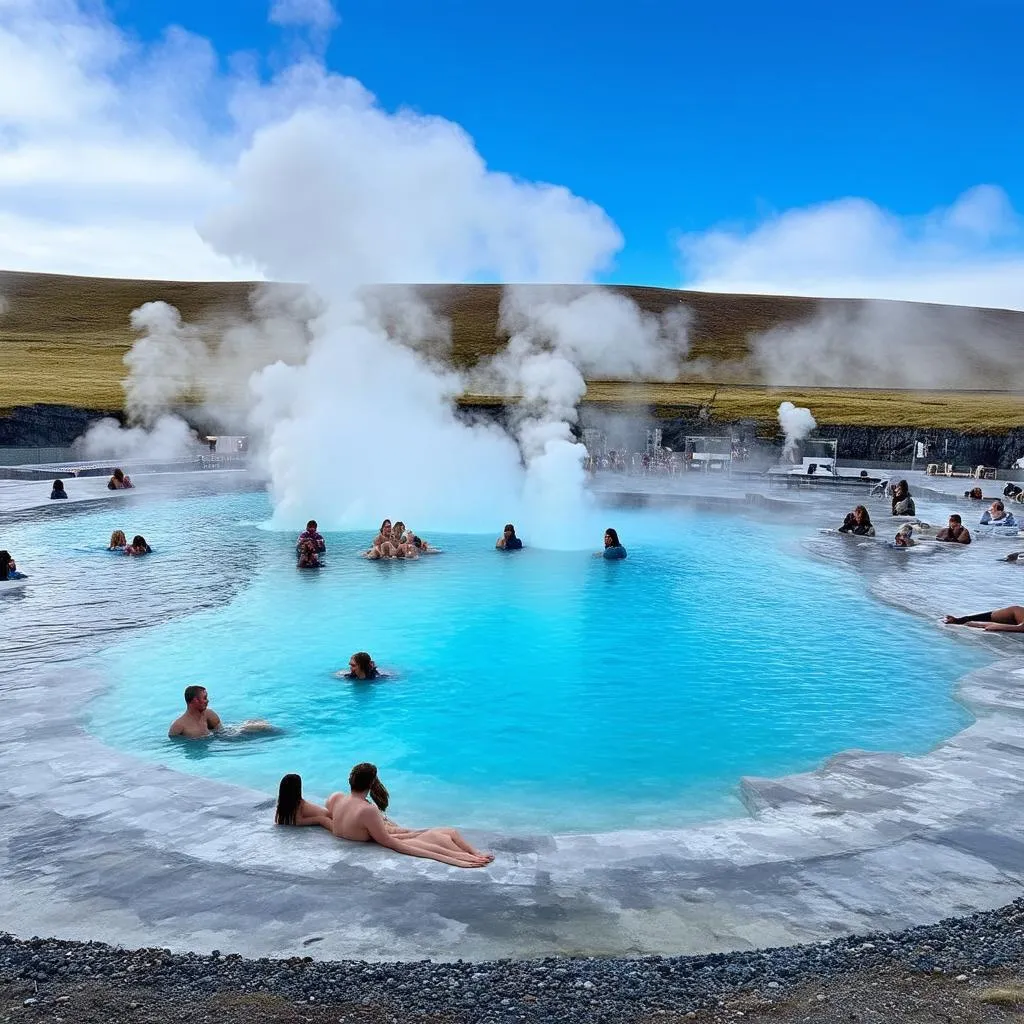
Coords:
8,568
858,522
613,550
905,537
383,545
58,490
1002,620
996,515
308,557
293,810
138,546
119,481
355,819
955,532
361,666
199,719
118,541
310,534
508,541
902,502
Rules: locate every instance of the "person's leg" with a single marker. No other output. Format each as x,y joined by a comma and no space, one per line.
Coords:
445,854
456,838
1012,616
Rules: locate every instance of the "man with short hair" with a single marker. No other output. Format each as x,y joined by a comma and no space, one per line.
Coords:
996,515
955,532
310,534
199,719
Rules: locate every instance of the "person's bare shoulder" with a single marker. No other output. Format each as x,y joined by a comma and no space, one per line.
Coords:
212,719
177,727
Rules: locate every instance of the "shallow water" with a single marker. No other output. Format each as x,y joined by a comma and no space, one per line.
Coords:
534,691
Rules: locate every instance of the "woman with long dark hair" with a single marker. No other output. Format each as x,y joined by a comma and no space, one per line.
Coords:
293,810
8,568
858,522
354,818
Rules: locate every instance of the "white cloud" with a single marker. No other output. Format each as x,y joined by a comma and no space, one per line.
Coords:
315,14
969,253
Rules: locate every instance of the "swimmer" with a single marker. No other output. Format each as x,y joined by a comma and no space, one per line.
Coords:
308,557
8,568
1002,620
293,810
310,534
362,667
1013,556
355,819
383,545
905,537
118,541
119,481
138,546
954,532
58,490
508,541
613,550
858,522
199,720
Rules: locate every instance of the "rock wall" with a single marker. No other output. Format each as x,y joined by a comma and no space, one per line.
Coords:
45,426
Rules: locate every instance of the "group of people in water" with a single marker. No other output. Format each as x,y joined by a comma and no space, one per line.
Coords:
397,541
137,547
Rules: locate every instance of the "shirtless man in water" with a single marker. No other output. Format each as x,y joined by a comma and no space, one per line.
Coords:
354,818
199,719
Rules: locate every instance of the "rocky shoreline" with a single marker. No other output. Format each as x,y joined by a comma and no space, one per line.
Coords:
38,974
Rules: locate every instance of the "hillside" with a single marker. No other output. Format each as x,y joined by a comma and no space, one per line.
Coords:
62,339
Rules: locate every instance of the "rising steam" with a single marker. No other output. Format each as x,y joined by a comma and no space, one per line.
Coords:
797,423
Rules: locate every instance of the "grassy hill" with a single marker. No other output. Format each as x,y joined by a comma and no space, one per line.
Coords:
62,340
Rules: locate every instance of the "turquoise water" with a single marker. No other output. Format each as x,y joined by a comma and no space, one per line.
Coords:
534,691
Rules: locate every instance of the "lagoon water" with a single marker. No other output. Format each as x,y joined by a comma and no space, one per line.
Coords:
532,692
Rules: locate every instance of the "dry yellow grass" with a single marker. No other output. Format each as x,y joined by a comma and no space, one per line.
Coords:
1003,995
63,339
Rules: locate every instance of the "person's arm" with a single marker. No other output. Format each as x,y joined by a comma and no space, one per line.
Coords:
965,536
1001,627
986,517
176,729
500,542
870,532
212,720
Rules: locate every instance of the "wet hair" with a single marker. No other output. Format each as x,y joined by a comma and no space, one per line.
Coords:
614,536
398,529
865,518
5,565
509,528
903,486
364,777
974,492
386,522
954,518
191,692
58,485
118,473
138,541
365,664
311,525
999,505
289,796
118,539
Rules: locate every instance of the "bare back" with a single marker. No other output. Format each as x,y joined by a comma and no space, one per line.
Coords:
352,817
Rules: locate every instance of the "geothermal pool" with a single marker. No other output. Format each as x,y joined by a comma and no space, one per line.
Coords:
531,692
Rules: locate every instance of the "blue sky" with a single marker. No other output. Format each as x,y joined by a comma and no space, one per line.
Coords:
868,150
679,117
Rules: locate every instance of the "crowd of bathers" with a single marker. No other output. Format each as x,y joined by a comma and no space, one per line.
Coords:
996,520
397,541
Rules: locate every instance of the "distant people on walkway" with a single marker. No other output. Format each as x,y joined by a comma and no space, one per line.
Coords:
613,549
308,558
955,532
355,819
118,541
8,568
996,515
199,719
902,502
905,537
119,481
361,666
1002,620
58,490
858,522
293,810
508,541
310,534
138,547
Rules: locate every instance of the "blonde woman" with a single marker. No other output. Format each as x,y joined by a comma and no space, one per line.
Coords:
118,541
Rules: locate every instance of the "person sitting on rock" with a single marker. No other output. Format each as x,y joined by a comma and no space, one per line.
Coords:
955,532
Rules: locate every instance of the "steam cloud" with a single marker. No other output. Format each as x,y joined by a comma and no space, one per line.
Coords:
796,422
168,437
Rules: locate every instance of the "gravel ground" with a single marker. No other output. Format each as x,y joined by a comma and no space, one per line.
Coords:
934,973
